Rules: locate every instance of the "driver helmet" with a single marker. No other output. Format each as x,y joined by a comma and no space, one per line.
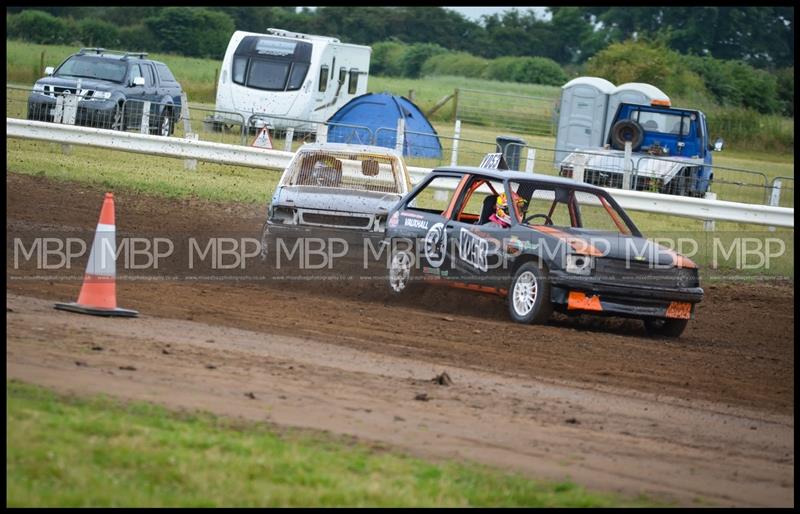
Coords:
501,209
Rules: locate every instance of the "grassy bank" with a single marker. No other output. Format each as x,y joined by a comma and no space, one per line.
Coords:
65,451
741,129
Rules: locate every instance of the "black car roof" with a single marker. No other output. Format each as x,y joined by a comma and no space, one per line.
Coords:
518,175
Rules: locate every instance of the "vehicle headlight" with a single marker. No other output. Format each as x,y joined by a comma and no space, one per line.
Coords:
102,95
39,88
686,278
580,264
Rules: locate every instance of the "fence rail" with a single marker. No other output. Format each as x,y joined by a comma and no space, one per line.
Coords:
421,150
278,160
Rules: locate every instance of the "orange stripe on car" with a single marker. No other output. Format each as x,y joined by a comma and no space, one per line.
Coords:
678,260
478,288
579,245
578,300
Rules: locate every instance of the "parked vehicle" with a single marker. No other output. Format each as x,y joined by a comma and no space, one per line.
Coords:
337,186
568,246
288,75
671,152
112,88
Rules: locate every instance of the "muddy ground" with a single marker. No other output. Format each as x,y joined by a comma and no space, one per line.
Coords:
707,417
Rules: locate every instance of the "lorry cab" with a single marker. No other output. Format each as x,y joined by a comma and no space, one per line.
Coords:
288,79
666,131
670,146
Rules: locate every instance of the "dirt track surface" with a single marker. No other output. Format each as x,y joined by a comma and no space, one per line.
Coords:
707,416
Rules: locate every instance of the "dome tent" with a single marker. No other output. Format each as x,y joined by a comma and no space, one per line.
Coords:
379,113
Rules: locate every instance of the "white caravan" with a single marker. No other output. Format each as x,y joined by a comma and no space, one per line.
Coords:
289,78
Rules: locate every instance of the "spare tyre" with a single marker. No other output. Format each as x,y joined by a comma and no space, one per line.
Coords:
624,131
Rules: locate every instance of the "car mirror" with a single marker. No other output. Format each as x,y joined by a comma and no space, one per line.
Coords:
718,144
138,81
48,71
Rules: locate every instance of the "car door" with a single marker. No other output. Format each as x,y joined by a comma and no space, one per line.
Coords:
422,222
476,241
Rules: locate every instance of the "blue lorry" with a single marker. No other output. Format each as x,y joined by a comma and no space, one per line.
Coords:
671,152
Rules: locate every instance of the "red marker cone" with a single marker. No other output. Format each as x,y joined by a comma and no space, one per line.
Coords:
98,294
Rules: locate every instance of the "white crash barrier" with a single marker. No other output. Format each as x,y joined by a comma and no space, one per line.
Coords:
698,208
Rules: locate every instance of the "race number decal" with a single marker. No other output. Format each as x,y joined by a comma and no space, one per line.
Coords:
473,250
435,245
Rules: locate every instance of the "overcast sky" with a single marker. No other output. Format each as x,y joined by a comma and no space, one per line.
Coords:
475,13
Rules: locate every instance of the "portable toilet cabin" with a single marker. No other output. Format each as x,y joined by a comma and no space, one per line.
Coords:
582,114
631,93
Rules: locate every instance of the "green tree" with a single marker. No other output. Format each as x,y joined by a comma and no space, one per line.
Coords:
94,32
192,31
387,58
39,27
415,57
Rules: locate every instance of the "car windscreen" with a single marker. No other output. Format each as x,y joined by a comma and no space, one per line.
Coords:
345,170
84,66
665,123
564,207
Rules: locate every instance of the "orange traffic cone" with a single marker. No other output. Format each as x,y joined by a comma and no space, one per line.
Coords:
98,294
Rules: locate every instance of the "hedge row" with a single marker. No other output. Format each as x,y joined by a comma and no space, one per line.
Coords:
726,83
194,32
400,60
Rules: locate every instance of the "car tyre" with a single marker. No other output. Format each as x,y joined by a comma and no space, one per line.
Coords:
116,120
660,327
529,294
165,125
401,274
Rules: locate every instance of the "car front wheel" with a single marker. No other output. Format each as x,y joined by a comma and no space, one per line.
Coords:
401,267
529,295
660,327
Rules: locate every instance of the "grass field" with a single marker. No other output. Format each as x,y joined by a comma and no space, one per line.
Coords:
64,451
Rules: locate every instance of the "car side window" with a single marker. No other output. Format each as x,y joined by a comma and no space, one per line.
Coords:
436,196
149,78
136,71
479,201
164,74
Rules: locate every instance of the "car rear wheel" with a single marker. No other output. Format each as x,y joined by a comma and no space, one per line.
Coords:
165,123
660,327
529,295
116,120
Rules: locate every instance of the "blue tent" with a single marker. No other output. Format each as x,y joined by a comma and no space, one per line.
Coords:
379,112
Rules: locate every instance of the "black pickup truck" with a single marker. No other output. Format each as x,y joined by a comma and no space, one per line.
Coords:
112,88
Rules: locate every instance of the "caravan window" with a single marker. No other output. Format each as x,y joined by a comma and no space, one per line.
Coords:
239,67
271,63
299,71
342,76
267,75
351,89
323,79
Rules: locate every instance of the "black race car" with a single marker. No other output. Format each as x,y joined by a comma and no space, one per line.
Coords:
565,245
